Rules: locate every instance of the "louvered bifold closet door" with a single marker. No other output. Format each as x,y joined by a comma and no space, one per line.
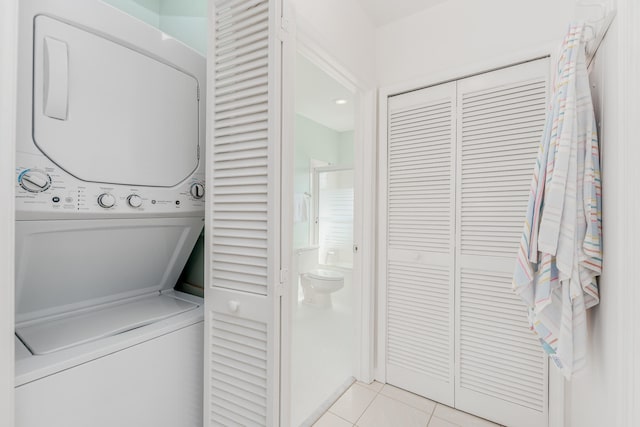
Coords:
501,371
241,384
420,225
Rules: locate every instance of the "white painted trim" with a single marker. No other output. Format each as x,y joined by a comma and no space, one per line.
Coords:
557,387
313,42
275,207
469,70
557,400
382,239
8,99
364,233
208,213
628,334
287,257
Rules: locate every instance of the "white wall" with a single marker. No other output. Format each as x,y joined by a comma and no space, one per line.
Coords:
186,21
147,11
608,394
591,397
343,30
457,33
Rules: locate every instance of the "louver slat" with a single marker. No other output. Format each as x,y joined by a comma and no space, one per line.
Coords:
419,165
420,185
240,147
507,168
481,339
501,371
238,363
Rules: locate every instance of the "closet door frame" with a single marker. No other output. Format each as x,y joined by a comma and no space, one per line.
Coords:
556,381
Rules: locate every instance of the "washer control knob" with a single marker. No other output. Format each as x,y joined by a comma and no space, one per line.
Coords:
134,201
106,200
35,180
197,190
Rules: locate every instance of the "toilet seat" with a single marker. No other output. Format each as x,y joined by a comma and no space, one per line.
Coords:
325,275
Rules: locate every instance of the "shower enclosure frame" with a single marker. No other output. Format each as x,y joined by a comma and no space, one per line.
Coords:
315,196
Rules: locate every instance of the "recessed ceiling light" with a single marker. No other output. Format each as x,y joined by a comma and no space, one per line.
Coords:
341,101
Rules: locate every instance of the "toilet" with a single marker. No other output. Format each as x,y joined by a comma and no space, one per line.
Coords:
317,283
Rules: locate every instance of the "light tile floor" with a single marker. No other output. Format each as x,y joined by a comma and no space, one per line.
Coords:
379,405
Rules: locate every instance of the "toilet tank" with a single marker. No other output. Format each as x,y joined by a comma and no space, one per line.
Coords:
307,259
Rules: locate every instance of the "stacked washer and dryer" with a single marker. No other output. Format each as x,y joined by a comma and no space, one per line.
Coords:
109,204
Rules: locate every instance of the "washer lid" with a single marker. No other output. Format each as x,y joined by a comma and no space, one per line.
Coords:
329,275
84,326
70,265
105,112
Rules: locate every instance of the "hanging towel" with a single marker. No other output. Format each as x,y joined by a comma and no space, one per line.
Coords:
300,207
560,251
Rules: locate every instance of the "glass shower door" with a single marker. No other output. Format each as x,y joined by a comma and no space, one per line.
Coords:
334,216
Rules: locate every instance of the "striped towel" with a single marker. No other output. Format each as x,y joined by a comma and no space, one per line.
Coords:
560,252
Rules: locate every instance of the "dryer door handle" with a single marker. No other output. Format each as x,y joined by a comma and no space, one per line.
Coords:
56,79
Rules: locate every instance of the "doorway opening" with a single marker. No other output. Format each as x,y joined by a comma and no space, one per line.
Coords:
324,295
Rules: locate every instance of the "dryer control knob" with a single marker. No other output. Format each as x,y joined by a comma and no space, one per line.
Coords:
106,200
134,201
197,190
35,180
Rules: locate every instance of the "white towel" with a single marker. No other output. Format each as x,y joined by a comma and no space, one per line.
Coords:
561,248
300,208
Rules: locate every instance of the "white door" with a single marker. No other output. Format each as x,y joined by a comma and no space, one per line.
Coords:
501,370
460,161
420,260
242,302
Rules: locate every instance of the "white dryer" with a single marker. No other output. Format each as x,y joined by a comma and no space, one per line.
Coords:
109,204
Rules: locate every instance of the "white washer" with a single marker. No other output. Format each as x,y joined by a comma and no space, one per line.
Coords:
109,204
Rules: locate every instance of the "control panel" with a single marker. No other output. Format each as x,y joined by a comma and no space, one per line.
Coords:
46,188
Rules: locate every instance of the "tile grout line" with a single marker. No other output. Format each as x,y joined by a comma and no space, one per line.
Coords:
430,414
333,413
411,406
365,409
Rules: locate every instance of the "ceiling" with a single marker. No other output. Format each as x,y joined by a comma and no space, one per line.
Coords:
383,12
316,94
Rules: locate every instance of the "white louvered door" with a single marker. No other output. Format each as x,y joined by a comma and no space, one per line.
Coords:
243,218
501,370
420,254
459,165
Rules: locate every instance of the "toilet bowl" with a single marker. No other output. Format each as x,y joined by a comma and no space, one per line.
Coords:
319,284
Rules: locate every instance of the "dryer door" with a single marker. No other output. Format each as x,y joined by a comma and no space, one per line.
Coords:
105,112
